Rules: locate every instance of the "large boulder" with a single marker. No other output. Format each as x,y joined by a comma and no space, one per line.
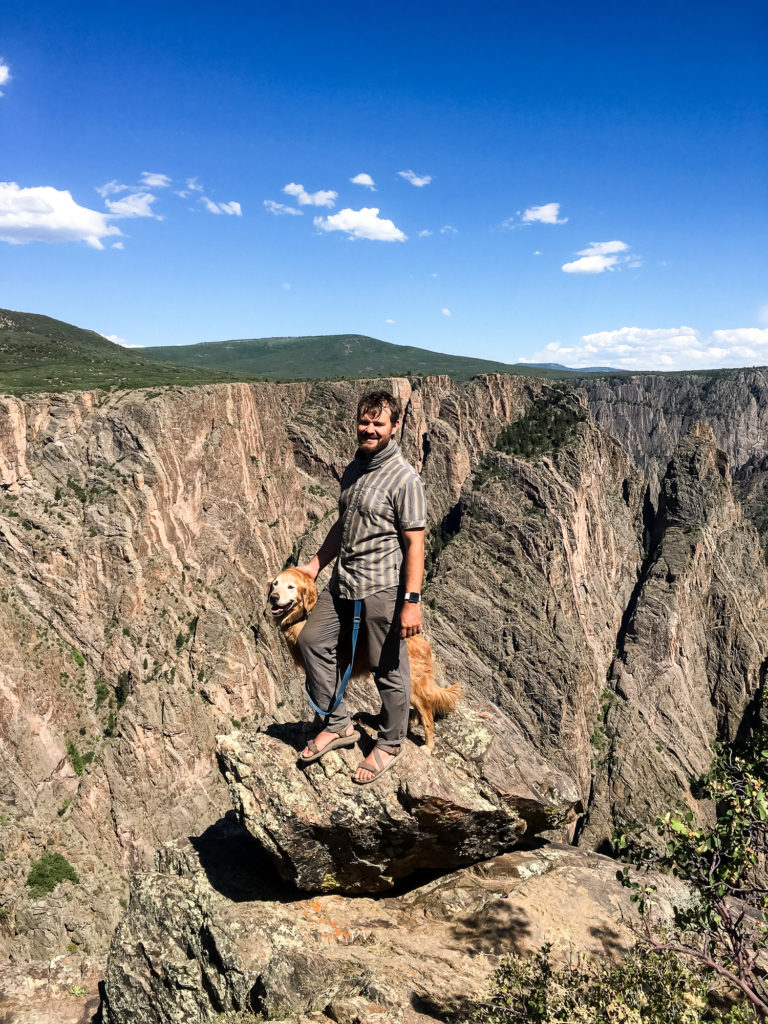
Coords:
213,932
481,790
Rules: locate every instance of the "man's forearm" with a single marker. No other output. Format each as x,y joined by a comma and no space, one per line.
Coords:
414,560
326,553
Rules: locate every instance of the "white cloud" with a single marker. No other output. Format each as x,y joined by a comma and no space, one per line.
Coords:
137,204
537,253
590,265
665,348
419,180
549,213
280,209
425,233
47,214
597,257
364,223
112,188
445,311
117,340
151,180
320,198
389,321
5,73
193,185
603,248
118,245
448,229
286,286
233,209
365,180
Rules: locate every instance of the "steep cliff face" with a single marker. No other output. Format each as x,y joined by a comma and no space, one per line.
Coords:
137,531
692,652
649,413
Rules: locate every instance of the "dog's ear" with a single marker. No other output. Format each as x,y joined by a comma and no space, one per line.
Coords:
308,592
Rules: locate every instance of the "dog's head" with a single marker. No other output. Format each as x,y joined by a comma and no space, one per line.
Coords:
292,595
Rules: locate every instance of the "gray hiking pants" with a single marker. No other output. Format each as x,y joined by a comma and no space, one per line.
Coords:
328,626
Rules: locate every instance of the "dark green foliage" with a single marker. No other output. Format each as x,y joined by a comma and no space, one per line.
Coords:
102,692
640,988
123,688
487,470
47,872
79,761
547,426
75,487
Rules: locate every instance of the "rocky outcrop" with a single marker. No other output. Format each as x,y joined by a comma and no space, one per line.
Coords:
212,930
479,793
64,990
13,443
692,652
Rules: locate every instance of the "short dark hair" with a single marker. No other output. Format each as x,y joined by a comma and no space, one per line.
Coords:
374,401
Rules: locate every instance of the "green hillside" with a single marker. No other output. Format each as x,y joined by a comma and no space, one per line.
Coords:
38,353
328,356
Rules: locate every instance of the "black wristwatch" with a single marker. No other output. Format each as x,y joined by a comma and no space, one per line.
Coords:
413,596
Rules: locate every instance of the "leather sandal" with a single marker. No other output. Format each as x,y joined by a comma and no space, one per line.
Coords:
379,766
340,741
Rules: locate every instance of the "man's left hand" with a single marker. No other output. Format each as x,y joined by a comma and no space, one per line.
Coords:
410,619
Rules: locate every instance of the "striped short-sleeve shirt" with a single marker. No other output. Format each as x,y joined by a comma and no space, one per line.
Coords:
380,496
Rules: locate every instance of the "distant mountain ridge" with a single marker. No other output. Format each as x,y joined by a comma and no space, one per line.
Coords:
328,356
38,353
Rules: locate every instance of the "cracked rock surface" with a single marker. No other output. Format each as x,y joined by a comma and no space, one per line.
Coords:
477,795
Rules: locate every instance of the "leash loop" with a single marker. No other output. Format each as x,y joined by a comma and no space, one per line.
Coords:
347,673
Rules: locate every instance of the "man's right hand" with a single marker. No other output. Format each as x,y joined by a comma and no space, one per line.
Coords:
328,551
312,568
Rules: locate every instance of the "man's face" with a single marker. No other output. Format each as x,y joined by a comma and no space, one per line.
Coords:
374,429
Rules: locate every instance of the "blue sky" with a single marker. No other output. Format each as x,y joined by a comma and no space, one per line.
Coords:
582,184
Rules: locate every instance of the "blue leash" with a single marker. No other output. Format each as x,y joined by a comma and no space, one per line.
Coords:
347,674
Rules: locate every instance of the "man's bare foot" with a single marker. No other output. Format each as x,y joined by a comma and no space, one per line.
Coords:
377,762
315,748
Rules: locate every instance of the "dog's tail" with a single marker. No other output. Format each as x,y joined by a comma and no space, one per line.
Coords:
445,699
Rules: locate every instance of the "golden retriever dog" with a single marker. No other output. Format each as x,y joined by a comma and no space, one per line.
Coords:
292,595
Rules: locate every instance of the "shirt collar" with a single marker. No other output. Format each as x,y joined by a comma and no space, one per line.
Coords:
367,464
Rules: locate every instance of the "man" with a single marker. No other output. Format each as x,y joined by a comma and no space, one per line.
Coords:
378,544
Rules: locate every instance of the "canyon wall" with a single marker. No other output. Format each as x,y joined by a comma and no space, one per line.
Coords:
138,531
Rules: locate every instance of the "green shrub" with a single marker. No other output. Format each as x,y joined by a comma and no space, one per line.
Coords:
75,487
123,688
79,761
79,659
640,988
102,692
47,872
725,927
